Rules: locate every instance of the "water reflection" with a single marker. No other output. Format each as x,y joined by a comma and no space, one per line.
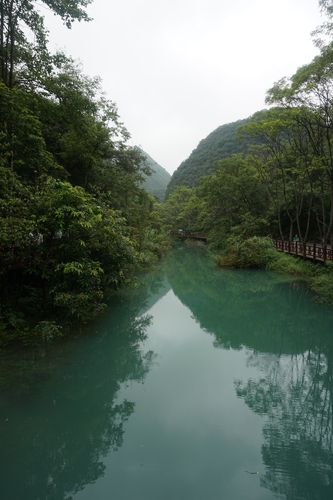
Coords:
195,426
255,309
290,343
295,393
60,415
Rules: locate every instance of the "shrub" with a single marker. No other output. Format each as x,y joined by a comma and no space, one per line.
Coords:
255,252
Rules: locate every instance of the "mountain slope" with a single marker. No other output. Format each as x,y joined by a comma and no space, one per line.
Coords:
156,183
222,142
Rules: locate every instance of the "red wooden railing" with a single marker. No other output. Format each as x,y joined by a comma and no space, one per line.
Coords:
190,235
313,251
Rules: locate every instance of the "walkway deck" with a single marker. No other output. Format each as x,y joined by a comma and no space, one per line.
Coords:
312,251
184,235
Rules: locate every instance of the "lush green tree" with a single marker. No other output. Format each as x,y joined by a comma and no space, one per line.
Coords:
235,199
75,222
19,57
289,168
310,91
85,248
182,210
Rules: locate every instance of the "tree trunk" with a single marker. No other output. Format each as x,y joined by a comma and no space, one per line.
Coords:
329,233
308,220
280,225
291,229
2,37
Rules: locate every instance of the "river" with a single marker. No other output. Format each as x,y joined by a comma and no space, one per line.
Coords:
199,384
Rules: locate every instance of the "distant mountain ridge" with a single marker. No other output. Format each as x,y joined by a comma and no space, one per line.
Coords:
156,183
222,142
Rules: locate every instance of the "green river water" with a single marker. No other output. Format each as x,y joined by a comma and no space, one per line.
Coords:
200,384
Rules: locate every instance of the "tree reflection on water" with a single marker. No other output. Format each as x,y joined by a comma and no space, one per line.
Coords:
288,338
295,395
65,409
62,404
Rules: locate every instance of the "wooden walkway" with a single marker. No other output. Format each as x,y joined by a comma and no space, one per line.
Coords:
312,251
184,235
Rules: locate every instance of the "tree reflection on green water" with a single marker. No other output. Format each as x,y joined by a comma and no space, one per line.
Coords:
289,338
240,379
59,410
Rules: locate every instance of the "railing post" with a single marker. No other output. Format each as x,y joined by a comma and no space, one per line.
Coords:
296,247
289,246
314,251
324,252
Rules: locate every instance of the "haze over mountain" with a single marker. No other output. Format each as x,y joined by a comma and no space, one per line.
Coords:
222,142
156,183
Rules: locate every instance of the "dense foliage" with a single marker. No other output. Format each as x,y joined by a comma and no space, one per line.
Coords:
75,222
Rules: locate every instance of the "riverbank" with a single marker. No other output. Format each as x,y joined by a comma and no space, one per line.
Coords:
260,253
29,317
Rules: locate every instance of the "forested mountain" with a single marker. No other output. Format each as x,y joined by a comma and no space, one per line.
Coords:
222,142
157,182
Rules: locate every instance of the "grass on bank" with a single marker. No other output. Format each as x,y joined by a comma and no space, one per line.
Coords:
260,253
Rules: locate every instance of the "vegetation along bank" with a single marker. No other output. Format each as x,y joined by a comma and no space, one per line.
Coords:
75,221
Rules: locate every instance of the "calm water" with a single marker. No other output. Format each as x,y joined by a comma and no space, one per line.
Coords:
198,385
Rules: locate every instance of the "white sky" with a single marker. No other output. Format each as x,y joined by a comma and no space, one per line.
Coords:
177,69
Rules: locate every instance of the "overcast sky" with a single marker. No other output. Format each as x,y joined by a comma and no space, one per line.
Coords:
178,69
